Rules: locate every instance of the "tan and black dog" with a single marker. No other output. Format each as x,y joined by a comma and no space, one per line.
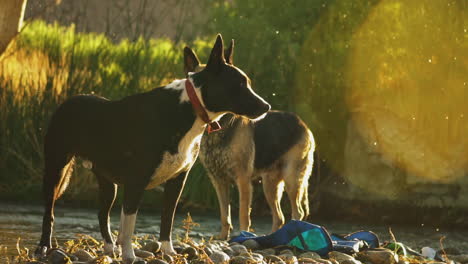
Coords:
278,148
140,142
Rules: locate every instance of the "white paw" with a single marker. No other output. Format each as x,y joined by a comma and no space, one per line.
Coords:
166,248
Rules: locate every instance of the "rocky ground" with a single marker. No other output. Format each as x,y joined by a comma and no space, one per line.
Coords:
78,241
87,250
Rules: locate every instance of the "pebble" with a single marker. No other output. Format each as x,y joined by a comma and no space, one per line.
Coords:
83,255
238,249
338,256
208,251
266,252
310,255
307,261
57,256
274,259
289,258
168,258
191,253
178,249
378,256
324,261
229,251
351,261
251,244
219,257
286,252
241,260
152,246
102,260
157,261
255,256
143,253
428,252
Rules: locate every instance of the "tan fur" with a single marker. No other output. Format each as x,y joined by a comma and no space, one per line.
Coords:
290,172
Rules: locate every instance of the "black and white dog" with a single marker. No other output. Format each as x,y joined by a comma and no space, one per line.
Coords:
140,142
278,148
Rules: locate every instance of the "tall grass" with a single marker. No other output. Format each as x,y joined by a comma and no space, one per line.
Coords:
48,63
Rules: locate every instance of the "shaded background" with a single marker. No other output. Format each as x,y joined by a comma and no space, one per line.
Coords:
382,84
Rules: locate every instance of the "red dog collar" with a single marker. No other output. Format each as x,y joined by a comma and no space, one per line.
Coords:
199,109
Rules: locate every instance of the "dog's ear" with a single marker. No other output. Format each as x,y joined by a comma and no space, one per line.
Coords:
191,61
229,53
217,55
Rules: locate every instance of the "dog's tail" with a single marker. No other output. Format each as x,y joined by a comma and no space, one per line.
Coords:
57,174
309,163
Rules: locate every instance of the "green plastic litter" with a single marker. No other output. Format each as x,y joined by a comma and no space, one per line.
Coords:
314,240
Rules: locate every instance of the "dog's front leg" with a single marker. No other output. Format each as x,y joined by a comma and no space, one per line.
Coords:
172,191
131,200
244,185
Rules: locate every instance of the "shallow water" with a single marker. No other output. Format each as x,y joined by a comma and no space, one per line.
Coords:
25,222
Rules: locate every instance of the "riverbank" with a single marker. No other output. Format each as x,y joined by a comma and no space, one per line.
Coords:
24,223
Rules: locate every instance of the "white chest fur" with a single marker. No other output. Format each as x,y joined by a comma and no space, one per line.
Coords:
173,164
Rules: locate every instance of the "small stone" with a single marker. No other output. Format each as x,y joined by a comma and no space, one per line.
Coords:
101,260
233,244
229,251
338,256
323,261
208,251
307,261
73,258
257,257
219,257
269,251
378,256
143,253
152,246
351,261
139,261
57,256
310,255
428,252
201,261
286,252
191,253
83,255
168,258
274,259
288,258
35,262
241,260
251,244
178,249
238,249
157,261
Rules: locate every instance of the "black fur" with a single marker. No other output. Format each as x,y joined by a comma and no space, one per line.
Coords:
127,140
274,135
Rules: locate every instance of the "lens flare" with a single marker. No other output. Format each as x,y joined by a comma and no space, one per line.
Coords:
385,85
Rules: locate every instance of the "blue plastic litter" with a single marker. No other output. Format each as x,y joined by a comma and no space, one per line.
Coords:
310,237
296,233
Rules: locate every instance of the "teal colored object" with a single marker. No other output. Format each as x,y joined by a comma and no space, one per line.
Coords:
312,240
